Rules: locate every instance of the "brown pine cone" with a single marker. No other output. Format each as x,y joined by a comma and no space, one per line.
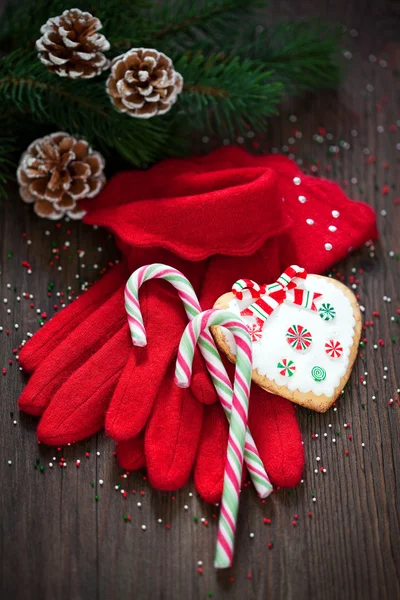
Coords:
143,83
56,171
71,47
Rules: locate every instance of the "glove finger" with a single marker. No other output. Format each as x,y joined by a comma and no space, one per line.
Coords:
72,353
135,394
130,454
79,407
38,348
172,435
273,424
134,397
201,384
211,454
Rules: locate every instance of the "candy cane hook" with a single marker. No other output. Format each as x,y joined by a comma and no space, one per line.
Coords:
207,347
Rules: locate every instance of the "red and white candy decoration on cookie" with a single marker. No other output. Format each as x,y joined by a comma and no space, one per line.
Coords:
334,349
299,337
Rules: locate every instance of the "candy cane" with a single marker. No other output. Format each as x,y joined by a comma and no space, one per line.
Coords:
238,421
207,347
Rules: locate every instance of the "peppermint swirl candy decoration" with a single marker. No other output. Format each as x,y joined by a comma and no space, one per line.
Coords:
318,373
298,337
287,367
334,349
327,312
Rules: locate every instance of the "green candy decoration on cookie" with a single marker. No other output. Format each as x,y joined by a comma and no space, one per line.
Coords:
327,312
318,373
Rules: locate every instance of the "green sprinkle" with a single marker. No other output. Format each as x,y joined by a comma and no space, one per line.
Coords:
41,468
92,483
195,519
96,497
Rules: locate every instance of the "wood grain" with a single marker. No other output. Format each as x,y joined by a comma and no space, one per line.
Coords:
58,542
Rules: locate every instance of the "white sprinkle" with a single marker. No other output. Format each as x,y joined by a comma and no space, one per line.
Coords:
159,520
309,222
328,246
335,214
101,481
200,562
251,535
318,458
334,440
296,180
50,465
302,199
332,228
185,507
139,504
144,527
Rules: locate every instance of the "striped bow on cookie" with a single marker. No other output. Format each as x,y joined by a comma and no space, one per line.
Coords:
268,297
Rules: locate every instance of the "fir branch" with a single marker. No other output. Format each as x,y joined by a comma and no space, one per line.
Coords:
226,95
8,149
173,25
78,108
304,55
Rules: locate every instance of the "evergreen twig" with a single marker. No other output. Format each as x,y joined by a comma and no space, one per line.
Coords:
234,75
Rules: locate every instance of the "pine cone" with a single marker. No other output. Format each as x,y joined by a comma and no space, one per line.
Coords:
71,47
143,83
56,171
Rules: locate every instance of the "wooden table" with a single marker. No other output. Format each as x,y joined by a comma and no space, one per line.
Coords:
58,542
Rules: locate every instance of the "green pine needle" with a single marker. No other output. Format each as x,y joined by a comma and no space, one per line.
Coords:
234,78
304,55
227,94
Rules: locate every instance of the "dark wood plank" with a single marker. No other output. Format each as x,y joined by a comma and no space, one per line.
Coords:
58,541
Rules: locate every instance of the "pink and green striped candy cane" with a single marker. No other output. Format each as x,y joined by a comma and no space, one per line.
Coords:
207,347
238,420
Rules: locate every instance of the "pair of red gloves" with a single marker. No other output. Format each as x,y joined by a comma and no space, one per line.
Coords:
217,218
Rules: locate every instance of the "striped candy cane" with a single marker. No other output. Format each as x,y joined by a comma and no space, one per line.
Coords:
207,347
238,422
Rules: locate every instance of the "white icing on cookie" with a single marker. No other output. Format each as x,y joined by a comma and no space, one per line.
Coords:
273,346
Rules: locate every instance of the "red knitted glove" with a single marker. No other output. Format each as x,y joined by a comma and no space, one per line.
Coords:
75,382
314,206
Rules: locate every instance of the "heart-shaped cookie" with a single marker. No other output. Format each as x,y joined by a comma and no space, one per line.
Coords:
305,348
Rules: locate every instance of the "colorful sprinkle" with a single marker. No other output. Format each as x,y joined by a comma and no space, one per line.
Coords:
298,337
334,349
318,373
287,367
327,312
